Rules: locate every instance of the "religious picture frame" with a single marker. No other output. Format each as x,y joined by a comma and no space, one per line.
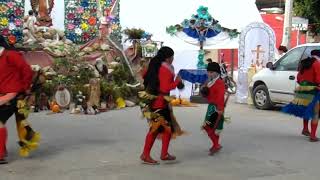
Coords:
150,48
63,97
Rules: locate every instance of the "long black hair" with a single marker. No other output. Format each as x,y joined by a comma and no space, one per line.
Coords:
151,79
306,64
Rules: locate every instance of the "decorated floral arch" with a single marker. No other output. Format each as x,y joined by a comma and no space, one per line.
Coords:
81,19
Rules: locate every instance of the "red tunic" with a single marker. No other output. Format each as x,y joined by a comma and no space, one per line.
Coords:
216,94
167,83
311,75
15,73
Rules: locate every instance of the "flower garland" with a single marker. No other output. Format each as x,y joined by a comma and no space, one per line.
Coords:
81,20
11,20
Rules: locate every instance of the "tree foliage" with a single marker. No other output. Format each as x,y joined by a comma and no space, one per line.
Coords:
309,9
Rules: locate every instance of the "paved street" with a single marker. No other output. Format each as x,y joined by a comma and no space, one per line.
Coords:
257,145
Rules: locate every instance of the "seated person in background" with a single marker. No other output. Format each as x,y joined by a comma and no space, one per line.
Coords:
282,50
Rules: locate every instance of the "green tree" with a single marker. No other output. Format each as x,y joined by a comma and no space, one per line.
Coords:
309,9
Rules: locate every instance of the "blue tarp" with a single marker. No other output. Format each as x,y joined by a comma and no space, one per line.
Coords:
194,75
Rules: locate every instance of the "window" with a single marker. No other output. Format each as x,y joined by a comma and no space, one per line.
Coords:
307,52
290,61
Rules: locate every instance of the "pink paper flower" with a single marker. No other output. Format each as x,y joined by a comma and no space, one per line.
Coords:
5,32
10,5
80,10
18,22
18,12
71,26
86,36
70,16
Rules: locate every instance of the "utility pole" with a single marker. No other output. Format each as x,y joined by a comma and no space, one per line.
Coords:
287,26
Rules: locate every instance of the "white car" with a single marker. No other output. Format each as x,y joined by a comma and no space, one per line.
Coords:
275,84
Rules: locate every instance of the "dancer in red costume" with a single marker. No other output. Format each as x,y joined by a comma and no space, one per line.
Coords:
214,91
309,75
158,82
15,80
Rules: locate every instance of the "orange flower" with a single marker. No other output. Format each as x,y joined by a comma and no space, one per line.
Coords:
114,27
3,9
92,21
12,39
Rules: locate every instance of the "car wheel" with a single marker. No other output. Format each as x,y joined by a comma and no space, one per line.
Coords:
261,98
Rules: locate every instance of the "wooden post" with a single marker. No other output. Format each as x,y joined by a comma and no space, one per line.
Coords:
232,62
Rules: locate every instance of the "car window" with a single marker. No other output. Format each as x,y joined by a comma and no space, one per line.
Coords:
307,52
290,61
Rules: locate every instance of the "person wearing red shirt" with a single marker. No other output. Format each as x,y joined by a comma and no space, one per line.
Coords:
158,82
309,75
15,80
214,91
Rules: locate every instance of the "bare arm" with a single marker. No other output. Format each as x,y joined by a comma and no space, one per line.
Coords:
6,98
